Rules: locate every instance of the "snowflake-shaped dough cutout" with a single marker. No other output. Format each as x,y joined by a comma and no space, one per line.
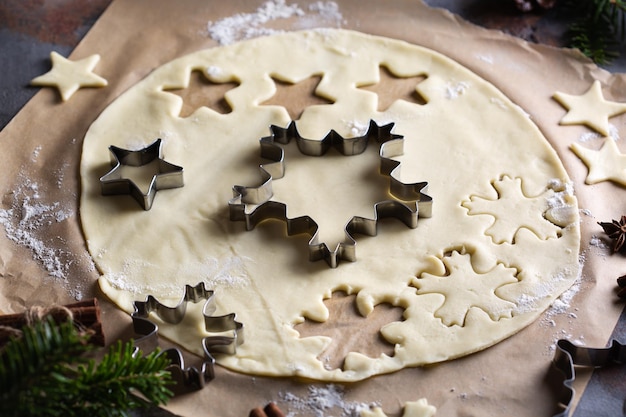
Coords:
464,288
513,210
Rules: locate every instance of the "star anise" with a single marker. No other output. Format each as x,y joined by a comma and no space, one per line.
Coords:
616,230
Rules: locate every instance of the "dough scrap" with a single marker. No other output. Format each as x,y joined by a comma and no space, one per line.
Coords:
419,408
461,144
590,108
68,76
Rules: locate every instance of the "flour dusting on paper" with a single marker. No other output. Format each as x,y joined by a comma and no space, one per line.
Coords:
24,220
321,400
243,26
29,221
590,136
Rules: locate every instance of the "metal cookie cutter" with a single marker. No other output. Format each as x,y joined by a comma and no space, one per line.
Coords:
569,355
167,176
414,202
188,378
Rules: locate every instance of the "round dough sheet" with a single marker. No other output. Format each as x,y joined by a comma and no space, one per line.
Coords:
502,242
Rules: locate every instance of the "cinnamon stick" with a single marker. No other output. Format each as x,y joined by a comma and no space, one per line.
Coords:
270,410
85,314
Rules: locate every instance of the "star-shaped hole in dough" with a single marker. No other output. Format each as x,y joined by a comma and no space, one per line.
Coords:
344,315
202,92
68,76
299,95
464,288
391,88
605,164
140,173
513,210
590,109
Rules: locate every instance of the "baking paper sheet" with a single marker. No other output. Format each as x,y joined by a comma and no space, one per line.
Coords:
43,257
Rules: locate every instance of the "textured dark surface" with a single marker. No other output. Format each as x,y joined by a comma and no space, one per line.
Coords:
31,29
605,396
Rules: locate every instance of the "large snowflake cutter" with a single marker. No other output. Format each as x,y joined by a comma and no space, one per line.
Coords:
408,204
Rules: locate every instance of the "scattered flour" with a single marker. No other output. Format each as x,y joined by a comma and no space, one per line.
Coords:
597,242
590,136
357,128
25,223
328,10
322,400
455,90
561,210
214,71
36,153
250,25
60,174
485,58
563,306
498,102
227,272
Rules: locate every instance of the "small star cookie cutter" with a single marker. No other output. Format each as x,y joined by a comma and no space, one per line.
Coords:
568,356
167,176
414,202
190,378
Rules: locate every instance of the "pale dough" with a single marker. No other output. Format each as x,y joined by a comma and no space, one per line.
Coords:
590,109
501,245
419,408
605,164
69,76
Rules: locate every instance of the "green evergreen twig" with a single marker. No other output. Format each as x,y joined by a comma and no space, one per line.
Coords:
599,27
45,373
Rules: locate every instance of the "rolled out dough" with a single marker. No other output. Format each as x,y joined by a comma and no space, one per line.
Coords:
501,245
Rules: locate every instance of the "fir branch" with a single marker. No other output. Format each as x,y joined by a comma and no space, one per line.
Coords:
598,27
119,371
28,364
44,373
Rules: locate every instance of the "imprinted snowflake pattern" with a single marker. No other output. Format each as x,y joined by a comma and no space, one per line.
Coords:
513,210
464,288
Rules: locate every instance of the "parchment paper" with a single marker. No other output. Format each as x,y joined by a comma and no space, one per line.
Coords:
43,262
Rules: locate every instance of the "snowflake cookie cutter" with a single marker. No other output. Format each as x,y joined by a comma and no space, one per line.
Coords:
411,203
189,378
167,176
568,356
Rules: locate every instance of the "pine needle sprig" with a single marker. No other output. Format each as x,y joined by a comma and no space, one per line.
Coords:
28,365
598,27
45,373
133,378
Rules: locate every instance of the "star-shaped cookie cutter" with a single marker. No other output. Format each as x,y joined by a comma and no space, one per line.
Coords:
168,175
189,378
568,356
415,203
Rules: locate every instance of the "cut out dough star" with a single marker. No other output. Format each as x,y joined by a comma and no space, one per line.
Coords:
590,109
68,76
606,164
